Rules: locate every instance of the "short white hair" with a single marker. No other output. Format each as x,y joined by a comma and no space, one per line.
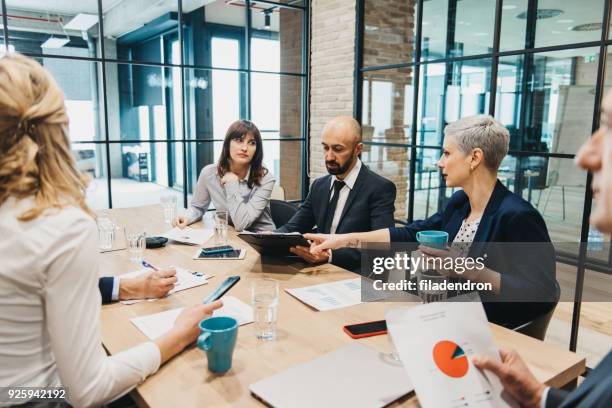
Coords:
482,132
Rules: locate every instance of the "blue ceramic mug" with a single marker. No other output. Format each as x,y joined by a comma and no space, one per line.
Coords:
218,339
435,239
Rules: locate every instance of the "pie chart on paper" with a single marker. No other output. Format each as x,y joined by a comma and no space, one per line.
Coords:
450,359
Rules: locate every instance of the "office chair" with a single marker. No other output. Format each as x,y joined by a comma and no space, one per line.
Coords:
282,211
537,327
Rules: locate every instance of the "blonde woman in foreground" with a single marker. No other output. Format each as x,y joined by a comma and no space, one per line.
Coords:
49,297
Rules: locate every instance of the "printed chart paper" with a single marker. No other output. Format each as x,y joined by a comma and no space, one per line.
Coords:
436,343
329,296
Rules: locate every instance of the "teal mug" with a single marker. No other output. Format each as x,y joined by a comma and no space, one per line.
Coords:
217,339
435,239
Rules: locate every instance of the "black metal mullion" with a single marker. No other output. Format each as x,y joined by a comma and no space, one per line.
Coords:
105,104
184,97
358,73
5,22
415,112
305,102
247,54
495,59
588,194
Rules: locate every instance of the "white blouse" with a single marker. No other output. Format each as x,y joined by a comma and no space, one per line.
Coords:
50,310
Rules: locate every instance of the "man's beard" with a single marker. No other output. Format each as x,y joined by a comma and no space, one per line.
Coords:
337,169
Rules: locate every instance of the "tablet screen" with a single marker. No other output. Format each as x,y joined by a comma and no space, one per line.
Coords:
216,255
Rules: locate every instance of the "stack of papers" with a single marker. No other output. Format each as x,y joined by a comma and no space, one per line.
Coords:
154,325
185,280
329,296
189,236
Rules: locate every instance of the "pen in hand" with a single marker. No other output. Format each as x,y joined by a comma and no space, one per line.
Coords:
148,265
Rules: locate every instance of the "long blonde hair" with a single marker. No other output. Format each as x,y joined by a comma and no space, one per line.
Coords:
35,156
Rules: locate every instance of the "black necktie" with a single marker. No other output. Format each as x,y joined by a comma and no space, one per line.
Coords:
331,207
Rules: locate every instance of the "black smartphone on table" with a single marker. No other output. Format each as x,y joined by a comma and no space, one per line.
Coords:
222,289
360,330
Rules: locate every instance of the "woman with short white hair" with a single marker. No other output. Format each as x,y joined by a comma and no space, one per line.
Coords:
484,210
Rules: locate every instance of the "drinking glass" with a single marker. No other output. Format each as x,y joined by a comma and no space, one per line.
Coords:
264,299
135,237
106,233
221,227
169,202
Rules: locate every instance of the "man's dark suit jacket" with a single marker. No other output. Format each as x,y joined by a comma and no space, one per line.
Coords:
529,287
106,289
369,206
594,392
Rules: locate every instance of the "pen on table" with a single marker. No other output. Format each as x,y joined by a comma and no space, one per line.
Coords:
148,265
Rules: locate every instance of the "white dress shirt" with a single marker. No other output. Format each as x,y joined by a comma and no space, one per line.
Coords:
349,183
50,310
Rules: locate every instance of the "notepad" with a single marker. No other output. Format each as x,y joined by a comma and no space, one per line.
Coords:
155,325
329,296
189,236
185,280
354,376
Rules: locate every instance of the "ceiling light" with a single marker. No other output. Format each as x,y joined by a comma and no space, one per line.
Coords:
565,21
509,7
82,22
542,14
54,42
587,27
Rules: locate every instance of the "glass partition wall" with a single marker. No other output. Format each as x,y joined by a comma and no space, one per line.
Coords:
150,91
539,67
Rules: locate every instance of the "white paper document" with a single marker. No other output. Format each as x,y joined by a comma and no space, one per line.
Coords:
154,325
190,236
436,343
185,280
329,296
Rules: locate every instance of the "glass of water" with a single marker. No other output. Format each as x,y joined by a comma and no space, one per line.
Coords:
106,233
135,237
169,202
221,227
264,299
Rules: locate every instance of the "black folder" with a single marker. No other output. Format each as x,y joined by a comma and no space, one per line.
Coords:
273,243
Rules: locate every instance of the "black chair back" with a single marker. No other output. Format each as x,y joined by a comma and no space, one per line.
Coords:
282,211
537,327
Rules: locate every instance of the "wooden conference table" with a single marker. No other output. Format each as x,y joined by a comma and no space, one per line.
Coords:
303,333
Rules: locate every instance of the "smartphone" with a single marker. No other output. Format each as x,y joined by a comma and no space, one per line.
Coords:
222,289
367,329
217,249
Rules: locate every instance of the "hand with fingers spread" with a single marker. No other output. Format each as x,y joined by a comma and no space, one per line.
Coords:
155,284
304,253
515,376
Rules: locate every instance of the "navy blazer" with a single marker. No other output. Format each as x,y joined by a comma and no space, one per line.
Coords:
594,392
106,289
370,206
526,275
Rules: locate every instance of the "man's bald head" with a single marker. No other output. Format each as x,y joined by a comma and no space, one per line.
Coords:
341,140
345,125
